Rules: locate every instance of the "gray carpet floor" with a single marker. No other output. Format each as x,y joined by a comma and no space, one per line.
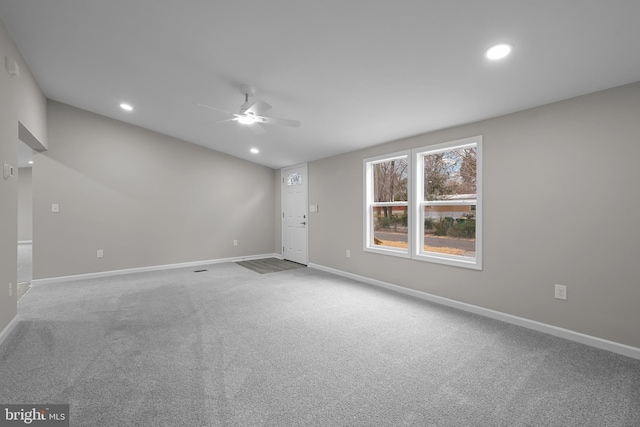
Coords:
229,347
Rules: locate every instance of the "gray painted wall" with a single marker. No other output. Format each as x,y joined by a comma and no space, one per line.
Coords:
21,101
25,205
560,205
144,198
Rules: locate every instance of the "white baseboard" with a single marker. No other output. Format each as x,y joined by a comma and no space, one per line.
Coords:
568,334
7,330
59,279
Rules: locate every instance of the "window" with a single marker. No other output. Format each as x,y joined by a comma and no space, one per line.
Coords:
440,219
447,202
387,204
294,179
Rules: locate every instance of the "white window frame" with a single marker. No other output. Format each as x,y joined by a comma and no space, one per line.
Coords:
369,203
418,204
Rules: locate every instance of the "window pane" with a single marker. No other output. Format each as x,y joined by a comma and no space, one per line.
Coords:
390,180
450,229
294,179
450,175
390,227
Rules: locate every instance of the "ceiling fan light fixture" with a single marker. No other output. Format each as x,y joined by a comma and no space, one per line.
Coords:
246,120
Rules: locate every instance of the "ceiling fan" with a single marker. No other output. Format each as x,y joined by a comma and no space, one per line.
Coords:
251,114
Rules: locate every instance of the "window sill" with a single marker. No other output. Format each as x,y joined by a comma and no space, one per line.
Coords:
457,261
387,251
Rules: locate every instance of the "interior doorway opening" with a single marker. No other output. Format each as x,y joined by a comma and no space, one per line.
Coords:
25,219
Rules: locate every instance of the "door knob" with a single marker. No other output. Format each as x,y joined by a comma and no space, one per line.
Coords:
304,223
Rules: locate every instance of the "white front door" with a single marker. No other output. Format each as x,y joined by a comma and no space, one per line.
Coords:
294,213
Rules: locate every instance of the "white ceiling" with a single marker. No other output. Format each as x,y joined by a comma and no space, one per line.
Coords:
355,72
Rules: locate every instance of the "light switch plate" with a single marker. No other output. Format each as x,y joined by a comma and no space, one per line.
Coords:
55,208
8,171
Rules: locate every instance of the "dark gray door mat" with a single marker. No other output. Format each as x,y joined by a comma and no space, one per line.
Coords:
270,265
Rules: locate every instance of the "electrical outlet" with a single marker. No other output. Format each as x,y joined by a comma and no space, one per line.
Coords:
100,253
348,253
561,292
10,288
235,243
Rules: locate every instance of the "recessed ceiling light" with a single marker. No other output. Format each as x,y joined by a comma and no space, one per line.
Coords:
499,51
126,107
254,150
30,162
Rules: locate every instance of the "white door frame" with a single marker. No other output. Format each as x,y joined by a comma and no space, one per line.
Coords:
305,184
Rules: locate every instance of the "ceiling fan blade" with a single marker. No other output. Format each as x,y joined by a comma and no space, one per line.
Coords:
277,121
215,122
214,108
258,108
256,128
